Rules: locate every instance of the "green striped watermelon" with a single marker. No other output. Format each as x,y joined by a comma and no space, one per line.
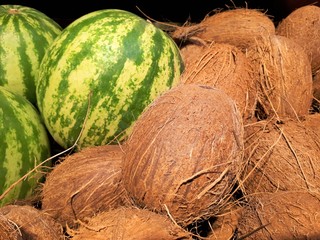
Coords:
24,144
109,64
25,34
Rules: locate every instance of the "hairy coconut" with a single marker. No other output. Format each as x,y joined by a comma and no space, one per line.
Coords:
282,156
8,229
222,66
281,215
316,85
225,225
131,224
32,223
83,184
184,153
303,26
285,77
240,27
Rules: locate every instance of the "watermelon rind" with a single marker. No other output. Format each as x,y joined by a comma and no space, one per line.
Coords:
25,35
99,75
24,143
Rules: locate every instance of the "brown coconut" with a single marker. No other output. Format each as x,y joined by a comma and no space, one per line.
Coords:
239,27
8,229
224,226
303,26
281,215
283,156
32,223
316,86
223,66
285,77
130,224
185,153
83,184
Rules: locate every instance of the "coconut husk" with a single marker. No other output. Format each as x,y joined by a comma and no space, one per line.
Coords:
316,86
184,153
8,229
285,77
282,156
239,27
281,215
83,184
32,223
303,26
130,224
224,226
222,66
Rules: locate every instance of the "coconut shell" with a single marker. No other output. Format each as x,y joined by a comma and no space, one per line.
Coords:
281,215
83,184
282,156
33,224
130,224
184,153
8,229
222,66
303,26
285,77
239,27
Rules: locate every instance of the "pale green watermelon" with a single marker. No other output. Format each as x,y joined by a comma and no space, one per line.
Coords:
110,63
24,144
25,35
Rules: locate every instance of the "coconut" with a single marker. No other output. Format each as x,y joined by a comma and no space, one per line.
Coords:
8,229
224,226
281,215
316,86
282,156
240,27
32,222
303,26
184,153
83,184
223,66
285,77
130,224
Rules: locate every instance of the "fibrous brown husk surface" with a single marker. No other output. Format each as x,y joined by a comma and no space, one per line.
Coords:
8,229
239,27
281,215
285,77
130,224
282,156
225,224
222,66
185,153
33,224
316,86
303,26
83,184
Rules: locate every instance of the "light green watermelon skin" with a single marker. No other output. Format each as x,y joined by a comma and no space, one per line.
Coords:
111,64
25,34
24,144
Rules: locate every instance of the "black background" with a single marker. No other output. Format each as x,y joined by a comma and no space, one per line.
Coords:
162,10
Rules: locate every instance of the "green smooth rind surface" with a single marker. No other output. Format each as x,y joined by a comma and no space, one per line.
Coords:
25,35
24,144
110,64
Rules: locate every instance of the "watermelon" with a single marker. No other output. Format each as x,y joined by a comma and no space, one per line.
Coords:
25,34
100,73
24,144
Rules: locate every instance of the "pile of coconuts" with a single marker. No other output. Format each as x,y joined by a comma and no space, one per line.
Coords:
229,153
